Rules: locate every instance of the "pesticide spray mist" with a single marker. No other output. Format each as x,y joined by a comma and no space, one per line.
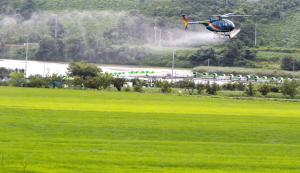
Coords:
95,24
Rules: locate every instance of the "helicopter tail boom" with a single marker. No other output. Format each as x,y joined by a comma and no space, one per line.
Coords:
196,22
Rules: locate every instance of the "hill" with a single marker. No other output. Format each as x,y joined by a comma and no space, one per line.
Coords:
123,32
271,15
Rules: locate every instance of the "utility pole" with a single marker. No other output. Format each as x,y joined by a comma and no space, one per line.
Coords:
173,62
26,59
44,71
160,39
293,67
208,68
155,28
255,31
56,27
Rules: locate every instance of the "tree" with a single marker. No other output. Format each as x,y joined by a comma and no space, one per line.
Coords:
235,54
4,72
250,89
247,33
91,82
104,80
190,85
287,63
118,83
50,49
202,55
2,44
27,8
17,78
264,89
290,88
211,89
83,69
56,25
232,53
77,82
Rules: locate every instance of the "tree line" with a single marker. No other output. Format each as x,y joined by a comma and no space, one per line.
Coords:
86,75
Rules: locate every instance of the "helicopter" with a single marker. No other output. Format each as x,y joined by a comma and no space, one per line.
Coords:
218,25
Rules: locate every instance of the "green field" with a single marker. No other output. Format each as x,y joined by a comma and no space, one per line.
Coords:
53,130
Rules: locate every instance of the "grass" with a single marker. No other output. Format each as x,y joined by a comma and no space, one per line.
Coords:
101,131
274,54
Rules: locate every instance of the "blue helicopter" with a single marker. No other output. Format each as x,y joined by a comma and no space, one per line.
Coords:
218,25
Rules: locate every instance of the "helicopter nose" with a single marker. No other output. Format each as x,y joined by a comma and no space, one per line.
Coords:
232,28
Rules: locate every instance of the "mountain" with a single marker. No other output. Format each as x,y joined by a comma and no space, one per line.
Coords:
122,31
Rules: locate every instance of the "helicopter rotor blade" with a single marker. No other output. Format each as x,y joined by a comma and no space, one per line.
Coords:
239,15
230,15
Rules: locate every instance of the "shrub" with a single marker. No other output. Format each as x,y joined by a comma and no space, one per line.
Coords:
3,83
17,78
264,89
241,86
200,87
250,89
127,89
137,87
55,80
104,80
236,86
77,82
274,88
290,88
143,83
36,81
166,87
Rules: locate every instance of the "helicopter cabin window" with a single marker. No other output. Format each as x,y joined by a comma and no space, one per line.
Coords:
225,25
215,18
218,25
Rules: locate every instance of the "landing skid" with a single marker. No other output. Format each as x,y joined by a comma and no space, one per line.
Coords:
227,35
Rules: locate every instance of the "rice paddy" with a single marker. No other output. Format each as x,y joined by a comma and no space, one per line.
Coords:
52,130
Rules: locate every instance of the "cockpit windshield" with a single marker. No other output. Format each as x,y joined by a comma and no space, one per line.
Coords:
230,23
